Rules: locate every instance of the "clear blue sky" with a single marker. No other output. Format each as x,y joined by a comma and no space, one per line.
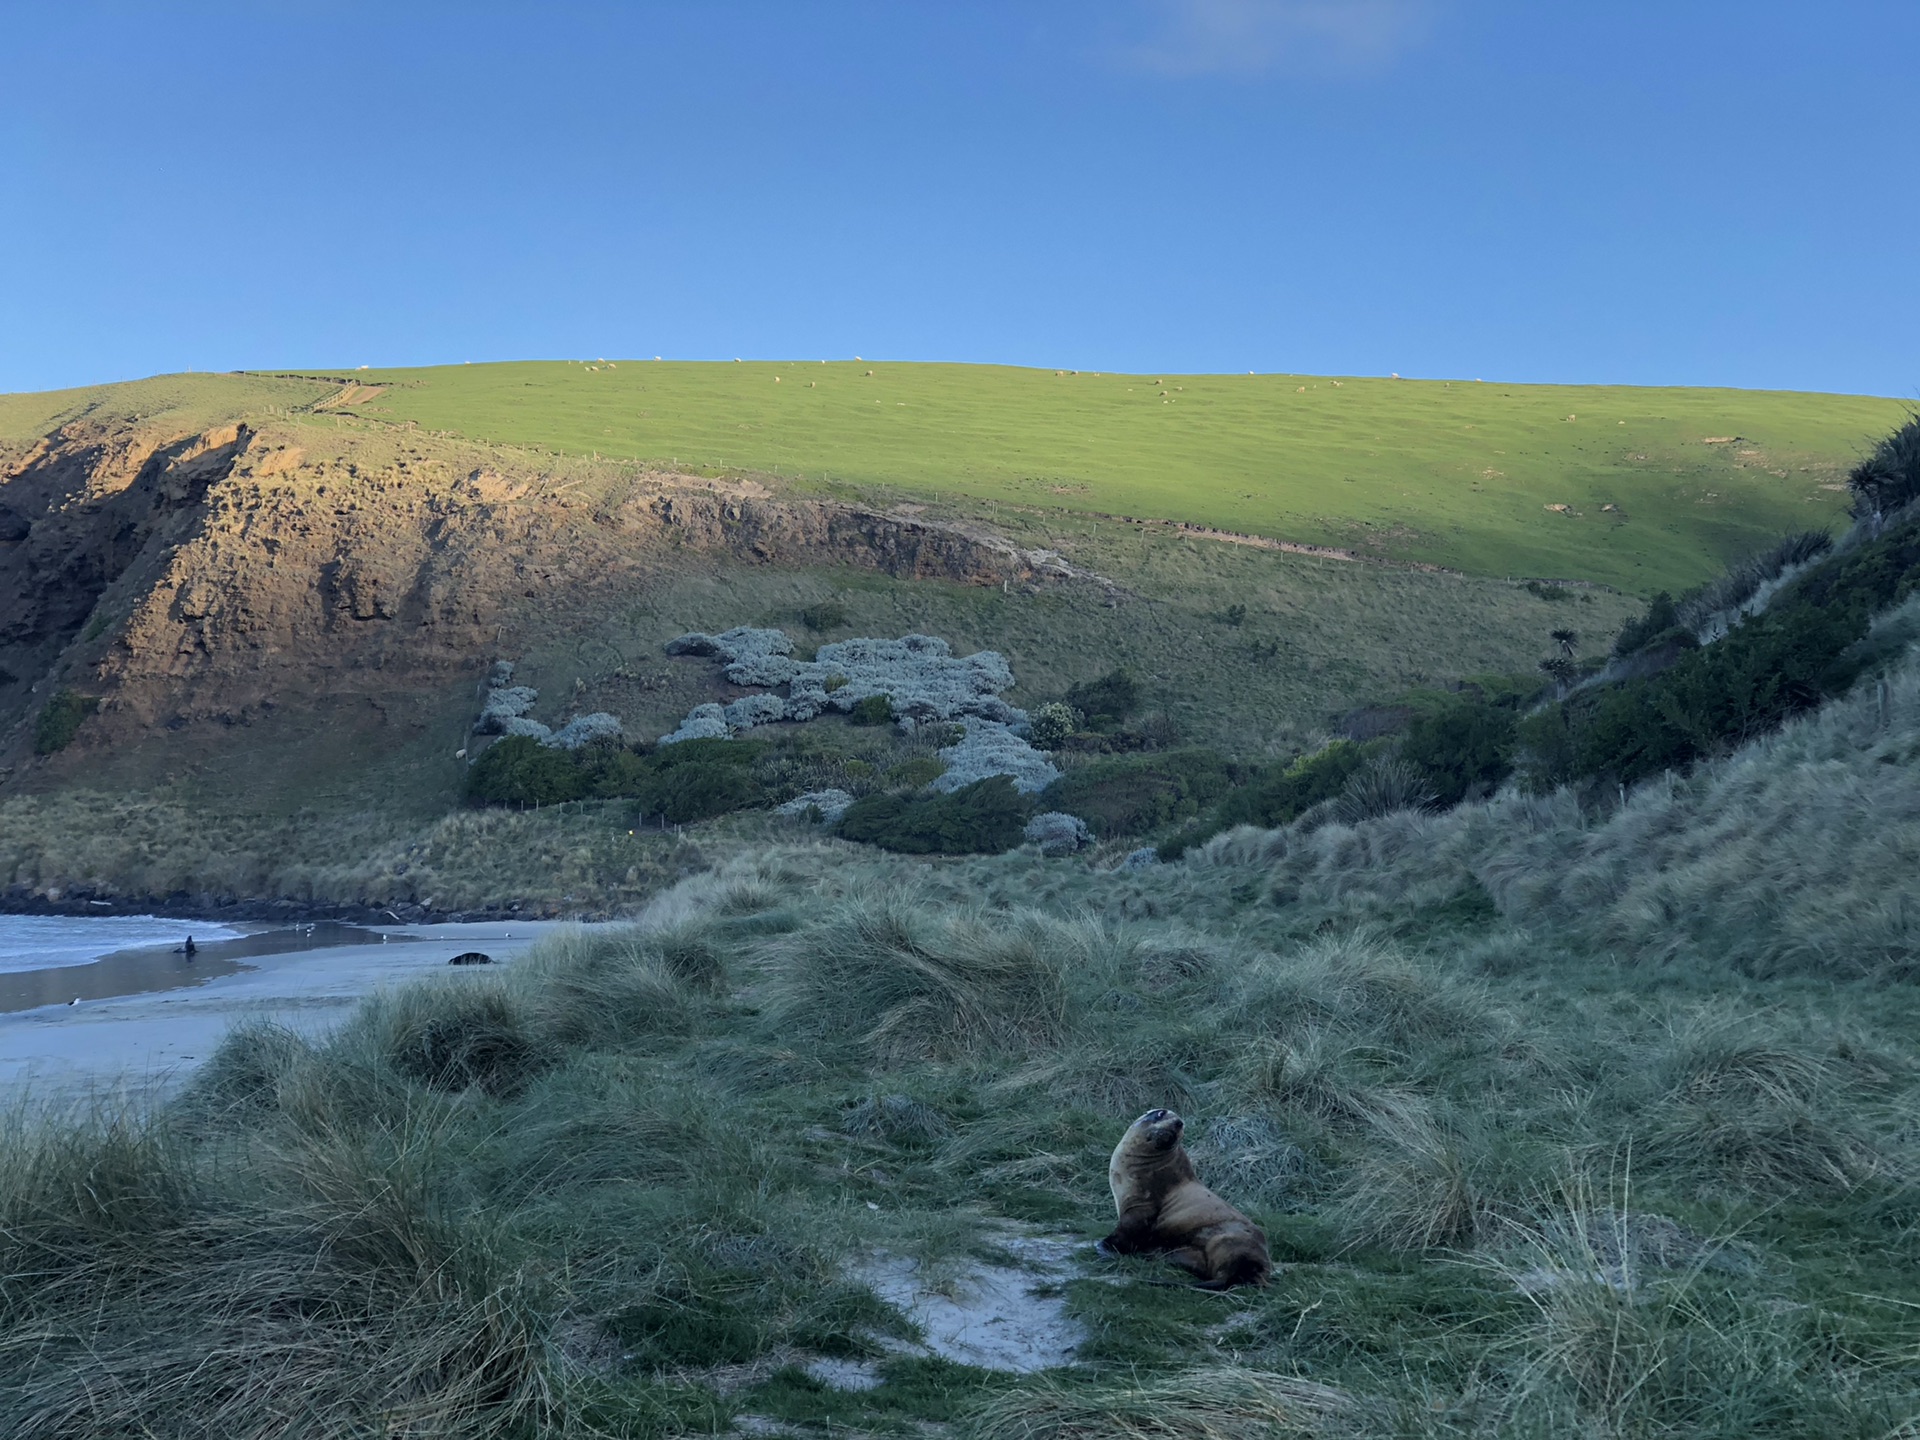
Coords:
1687,191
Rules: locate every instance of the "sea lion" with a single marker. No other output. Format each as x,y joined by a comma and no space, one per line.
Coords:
1163,1206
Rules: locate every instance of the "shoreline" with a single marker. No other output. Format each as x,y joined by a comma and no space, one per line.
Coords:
151,1041
78,904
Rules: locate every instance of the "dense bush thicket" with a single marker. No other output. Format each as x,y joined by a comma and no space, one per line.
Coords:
1105,702
983,818
1285,792
1464,748
60,720
693,780
1137,795
1890,476
1806,646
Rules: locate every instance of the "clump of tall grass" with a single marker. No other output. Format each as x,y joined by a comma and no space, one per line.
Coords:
1359,982
898,1119
1635,1326
475,1034
313,1289
1218,1402
1384,785
1421,1184
241,1080
909,983
608,987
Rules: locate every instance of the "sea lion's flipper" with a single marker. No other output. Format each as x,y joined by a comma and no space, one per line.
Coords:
1193,1259
1135,1230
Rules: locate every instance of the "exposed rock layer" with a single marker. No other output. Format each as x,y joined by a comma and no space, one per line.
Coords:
217,576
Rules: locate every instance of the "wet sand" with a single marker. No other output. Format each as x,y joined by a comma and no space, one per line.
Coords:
156,1038
165,967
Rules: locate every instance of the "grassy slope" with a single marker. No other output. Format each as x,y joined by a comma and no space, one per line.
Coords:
180,402
1453,473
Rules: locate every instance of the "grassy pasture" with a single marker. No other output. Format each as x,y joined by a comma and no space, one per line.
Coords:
1457,473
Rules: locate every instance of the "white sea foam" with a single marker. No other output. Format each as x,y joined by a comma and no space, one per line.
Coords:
41,942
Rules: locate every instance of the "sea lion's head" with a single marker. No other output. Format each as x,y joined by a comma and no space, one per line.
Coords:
1157,1131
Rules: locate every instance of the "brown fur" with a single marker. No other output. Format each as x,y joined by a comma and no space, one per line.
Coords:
1163,1206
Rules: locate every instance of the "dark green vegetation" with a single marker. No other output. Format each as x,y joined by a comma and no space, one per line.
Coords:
983,818
1659,486
693,780
1139,795
1676,700
60,720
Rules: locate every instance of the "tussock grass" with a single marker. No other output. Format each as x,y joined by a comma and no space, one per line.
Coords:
908,984
618,1185
1216,1403
150,1292
460,1036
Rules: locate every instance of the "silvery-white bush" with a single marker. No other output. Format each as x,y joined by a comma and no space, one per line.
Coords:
919,673
504,703
584,730
753,656
703,722
1058,833
1140,859
988,749
520,725
751,710
832,804
921,677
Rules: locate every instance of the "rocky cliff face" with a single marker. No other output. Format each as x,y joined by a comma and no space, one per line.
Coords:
218,576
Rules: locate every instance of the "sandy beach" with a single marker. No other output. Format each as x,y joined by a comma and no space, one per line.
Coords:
153,1040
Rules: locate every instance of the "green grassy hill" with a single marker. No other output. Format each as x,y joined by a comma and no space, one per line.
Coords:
1453,473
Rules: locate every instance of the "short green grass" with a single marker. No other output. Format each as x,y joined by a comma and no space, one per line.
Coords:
1456,473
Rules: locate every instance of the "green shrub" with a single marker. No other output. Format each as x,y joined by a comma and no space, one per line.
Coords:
685,793
60,720
608,771
1802,649
874,710
1284,793
1661,621
1141,794
1107,701
824,615
1463,750
519,770
708,752
984,818
693,780
916,773
1890,476
1052,723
